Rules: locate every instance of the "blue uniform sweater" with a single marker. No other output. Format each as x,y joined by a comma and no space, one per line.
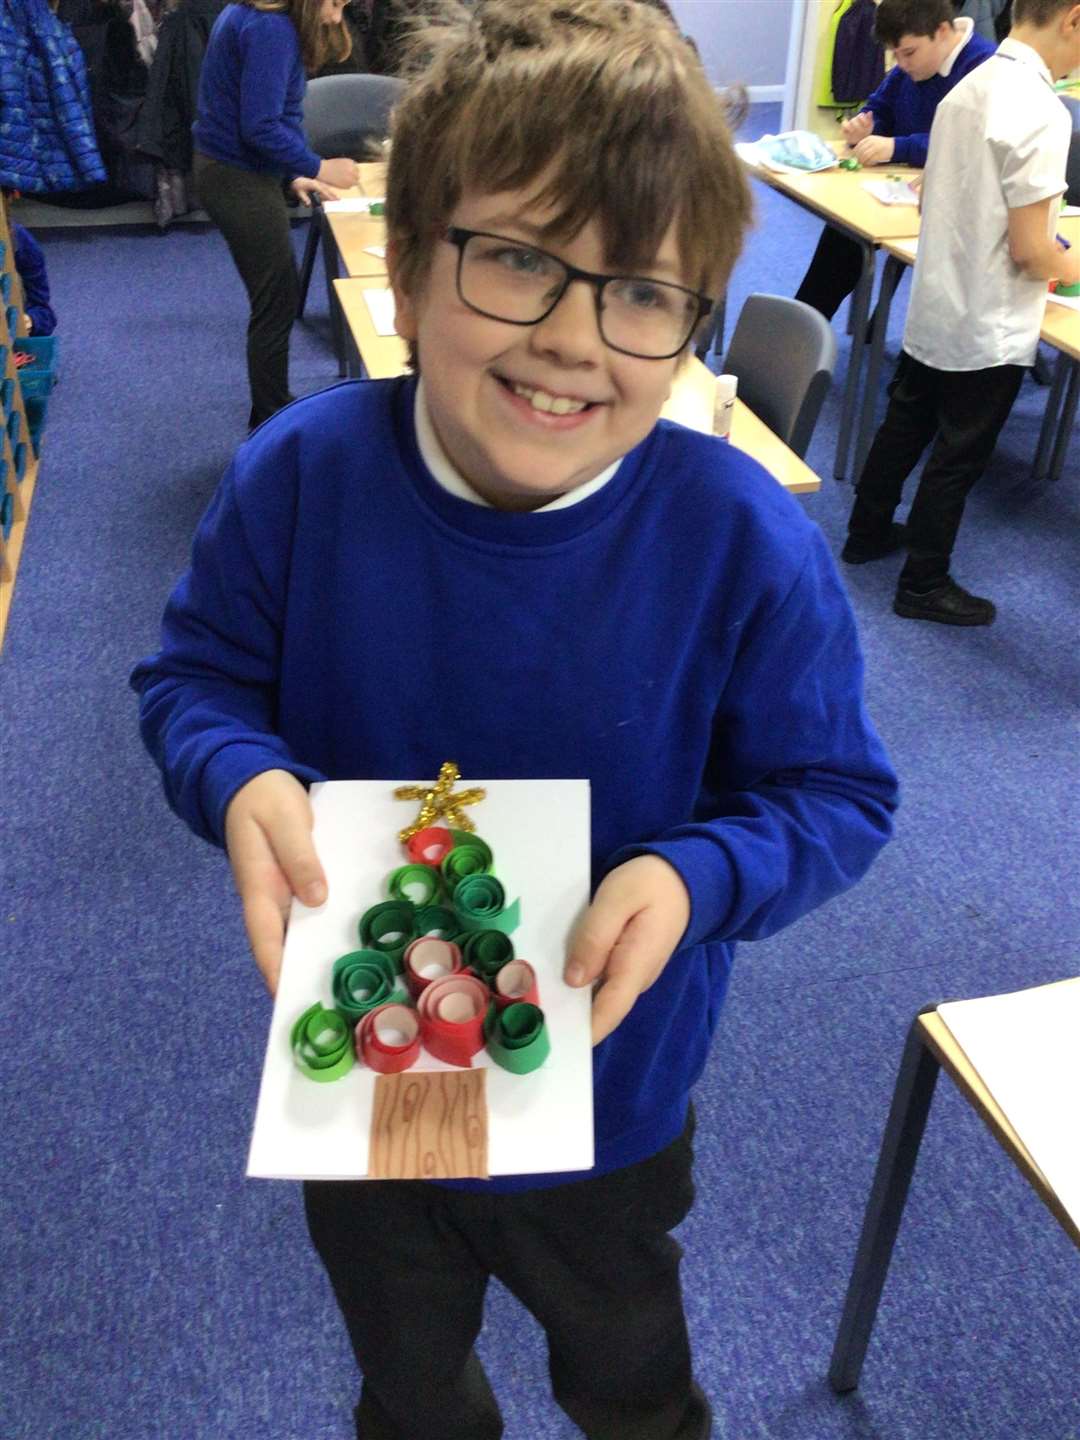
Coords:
251,95
680,638
904,108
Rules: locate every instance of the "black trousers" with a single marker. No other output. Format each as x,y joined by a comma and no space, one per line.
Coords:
409,1263
962,412
832,274
251,213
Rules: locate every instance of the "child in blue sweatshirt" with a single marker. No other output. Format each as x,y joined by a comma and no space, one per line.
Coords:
30,263
249,143
933,52
507,558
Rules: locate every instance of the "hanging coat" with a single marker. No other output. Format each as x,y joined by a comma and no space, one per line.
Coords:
47,138
168,112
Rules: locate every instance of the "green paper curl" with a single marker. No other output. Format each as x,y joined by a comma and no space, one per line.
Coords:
370,971
391,918
480,902
322,1044
517,1037
412,876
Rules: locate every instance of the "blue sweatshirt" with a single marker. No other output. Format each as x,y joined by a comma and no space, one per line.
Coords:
904,108
251,95
30,263
680,638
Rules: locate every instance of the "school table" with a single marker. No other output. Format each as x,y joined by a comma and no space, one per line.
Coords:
348,238
837,197
691,402
1060,329
930,1047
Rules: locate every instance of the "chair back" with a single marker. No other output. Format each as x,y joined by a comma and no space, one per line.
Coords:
347,114
783,353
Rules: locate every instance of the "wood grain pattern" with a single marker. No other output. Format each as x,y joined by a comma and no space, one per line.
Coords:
430,1125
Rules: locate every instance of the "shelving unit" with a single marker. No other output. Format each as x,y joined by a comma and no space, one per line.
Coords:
17,461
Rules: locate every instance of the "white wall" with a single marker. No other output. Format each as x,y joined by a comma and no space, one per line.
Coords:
741,41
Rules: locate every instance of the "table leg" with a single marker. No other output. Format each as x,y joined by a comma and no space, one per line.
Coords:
1040,465
899,1150
890,279
1065,423
860,309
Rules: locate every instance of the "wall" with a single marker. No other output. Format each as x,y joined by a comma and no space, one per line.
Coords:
741,41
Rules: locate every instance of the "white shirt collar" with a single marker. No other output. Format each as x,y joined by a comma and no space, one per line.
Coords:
446,474
1017,50
966,25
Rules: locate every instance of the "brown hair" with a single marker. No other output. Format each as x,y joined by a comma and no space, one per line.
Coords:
601,98
1039,13
897,18
319,44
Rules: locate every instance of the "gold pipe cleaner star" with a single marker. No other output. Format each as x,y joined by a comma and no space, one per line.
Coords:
438,801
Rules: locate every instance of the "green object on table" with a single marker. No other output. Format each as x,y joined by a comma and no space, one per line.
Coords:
850,163
361,981
480,902
517,1037
487,951
1068,290
376,208
322,1044
389,927
413,877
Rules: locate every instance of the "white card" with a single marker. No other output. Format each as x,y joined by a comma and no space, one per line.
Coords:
892,192
380,304
538,831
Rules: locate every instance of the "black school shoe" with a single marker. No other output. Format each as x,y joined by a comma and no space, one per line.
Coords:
949,604
859,552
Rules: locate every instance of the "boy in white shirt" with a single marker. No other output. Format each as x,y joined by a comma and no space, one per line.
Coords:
994,177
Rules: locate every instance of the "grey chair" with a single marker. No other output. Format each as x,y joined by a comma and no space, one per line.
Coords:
783,353
343,115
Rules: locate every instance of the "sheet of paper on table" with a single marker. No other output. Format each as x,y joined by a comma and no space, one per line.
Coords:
892,192
379,251
380,304
1025,1048
1072,301
352,205
539,833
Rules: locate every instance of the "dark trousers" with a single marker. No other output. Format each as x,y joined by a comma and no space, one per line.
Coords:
593,1261
833,273
965,411
251,213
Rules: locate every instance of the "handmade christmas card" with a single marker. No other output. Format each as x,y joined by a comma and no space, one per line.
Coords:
422,1028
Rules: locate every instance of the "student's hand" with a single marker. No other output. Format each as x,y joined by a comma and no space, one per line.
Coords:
875,150
626,937
268,837
303,188
341,172
858,127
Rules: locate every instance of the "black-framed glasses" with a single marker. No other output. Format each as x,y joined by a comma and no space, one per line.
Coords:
516,283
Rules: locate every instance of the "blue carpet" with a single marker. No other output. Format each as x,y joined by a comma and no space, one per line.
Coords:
149,1291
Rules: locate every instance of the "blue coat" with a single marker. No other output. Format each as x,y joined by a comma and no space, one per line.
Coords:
47,139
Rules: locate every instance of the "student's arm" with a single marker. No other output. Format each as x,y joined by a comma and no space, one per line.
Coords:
267,60
911,149
1034,251
882,103
30,263
209,701
809,806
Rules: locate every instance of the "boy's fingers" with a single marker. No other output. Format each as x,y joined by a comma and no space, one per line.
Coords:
596,935
265,927
293,849
633,965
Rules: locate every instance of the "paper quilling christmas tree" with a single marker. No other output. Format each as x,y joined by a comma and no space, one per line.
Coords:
431,1052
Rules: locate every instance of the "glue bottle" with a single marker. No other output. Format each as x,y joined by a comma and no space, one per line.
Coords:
724,405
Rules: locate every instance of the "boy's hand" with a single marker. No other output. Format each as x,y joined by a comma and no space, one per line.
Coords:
858,127
303,188
875,150
268,837
627,936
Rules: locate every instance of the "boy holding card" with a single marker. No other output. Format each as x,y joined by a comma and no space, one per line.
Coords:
509,560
